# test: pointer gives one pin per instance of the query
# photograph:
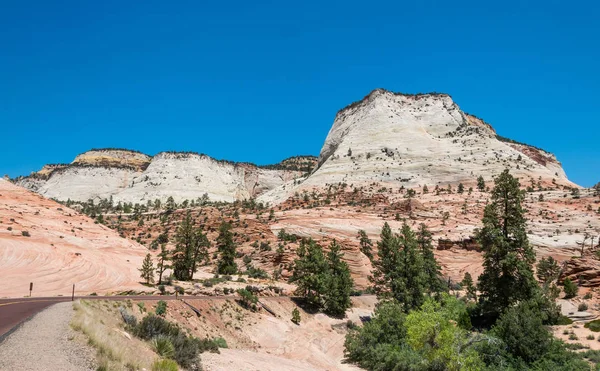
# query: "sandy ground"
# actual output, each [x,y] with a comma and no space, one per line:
[46,342]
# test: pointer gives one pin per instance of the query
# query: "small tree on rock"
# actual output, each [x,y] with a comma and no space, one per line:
[296,316]
[147,269]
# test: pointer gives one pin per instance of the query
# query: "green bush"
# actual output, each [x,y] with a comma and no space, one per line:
[163,346]
[593,325]
[247,299]
[570,288]
[220,342]
[582,307]
[161,308]
[165,365]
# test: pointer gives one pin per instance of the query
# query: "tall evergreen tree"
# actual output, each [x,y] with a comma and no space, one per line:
[184,248]
[399,268]
[366,245]
[480,184]
[310,273]
[200,250]
[508,258]
[147,269]
[338,284]
[433,271]
[227,250]
[163,259]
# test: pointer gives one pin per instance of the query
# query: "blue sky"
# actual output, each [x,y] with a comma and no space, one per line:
[260,81]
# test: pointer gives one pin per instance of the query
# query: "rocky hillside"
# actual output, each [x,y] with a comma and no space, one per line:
[131,176]
[55,247]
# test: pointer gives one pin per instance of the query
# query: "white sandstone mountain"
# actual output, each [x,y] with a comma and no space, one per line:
[131,176]
[386,138]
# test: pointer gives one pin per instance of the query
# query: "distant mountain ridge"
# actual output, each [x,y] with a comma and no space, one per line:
[411,140]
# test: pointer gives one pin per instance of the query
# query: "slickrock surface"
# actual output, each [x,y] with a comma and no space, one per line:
[64,248]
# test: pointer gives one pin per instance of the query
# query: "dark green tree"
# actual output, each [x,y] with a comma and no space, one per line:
[184,248]
[480,184]
[366,245]
[399,269]
[296,316]
[570,288]
[163,259]
[338,284]
[227,250]
[467,284]
[433,271]
[147,269]
[461,188]
[310,273]
[547,269]
[508,258]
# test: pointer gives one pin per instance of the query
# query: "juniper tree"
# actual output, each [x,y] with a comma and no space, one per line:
[227,250]
[461,188]
[508,257]
[147,269]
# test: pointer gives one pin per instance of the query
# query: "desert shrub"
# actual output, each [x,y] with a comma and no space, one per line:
[220,342]
[593,325]
[25,234]
[592,356]
[564,320]
[129,319]
[162,289]
[573,337]
[588,296]
[582,307]
[161,308]
[253,272]
[163,346]
[152,326]
[247,299]
[179,290]
[590,337]
[570,288]
[165,365]
[142,307]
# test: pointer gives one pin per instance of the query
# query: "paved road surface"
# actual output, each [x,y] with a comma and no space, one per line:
[15,311]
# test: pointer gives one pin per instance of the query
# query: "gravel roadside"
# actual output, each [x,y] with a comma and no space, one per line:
[47,342]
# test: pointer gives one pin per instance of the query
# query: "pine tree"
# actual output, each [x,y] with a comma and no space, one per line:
[366,245]
[508,258]
[338,284]
[480,184]
[547,269]
[399,269]
[200,247]
[147,269]
[184,248]
[227,250]
[163,258]
[432,270]
[461,188]
[467,284]
[310,273]
[170,204]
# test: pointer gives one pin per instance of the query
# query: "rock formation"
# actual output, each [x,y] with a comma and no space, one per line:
[55,247]
[131,176]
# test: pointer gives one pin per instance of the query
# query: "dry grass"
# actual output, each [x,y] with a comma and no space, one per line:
[101,323]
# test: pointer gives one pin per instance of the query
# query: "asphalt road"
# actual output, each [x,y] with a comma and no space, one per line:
[15,311]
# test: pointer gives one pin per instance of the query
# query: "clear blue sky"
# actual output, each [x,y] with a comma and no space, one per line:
[260,81]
